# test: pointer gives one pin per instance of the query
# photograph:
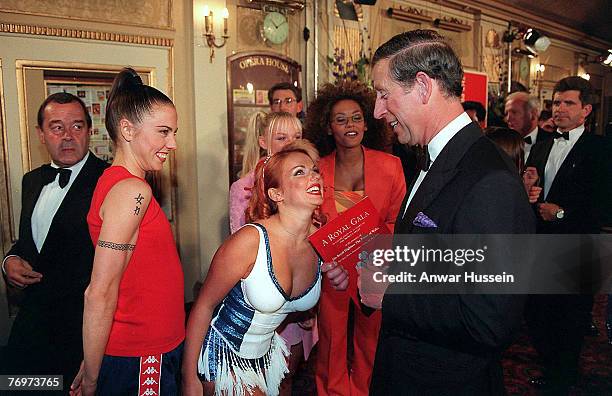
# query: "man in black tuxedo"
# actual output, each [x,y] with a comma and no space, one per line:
[571,168]
[444,344]
[52,260]
[521,113]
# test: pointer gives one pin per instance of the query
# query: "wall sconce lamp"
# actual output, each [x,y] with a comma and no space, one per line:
[209,34]
[539,68]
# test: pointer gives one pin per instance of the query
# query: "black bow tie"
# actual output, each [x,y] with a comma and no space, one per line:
[49,173]
[564,135]
[528,140]
[422,157]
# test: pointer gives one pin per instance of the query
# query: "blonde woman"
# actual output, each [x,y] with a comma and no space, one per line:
[270,133]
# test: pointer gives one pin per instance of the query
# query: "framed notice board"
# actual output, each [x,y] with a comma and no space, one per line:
[94,95]
[250,75]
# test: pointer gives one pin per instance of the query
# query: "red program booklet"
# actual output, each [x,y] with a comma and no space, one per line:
[353,231]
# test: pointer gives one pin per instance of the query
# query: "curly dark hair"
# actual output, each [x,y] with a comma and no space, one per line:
[318,118]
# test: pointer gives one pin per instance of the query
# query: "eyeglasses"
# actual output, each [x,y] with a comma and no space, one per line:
[342,120]
[287,101]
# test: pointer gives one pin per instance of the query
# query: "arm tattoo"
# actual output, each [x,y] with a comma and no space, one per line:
[116,246]
[139,200]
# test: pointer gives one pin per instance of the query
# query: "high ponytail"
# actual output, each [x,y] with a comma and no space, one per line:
[252,151]
[129,98]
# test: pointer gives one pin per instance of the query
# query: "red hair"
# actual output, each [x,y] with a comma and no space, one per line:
[268,174]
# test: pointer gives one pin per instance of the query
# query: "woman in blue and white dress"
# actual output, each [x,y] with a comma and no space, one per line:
[234,349]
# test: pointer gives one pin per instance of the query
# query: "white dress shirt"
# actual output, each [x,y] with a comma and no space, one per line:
[558,153]
[435,146]
[533,135]
[49,201]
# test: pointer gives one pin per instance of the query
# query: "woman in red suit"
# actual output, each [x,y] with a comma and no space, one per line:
[340,123]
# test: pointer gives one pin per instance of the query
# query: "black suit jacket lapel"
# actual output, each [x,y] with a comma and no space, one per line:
[574,157]
[542,135]
[399,223]
[441,172]
[31,192]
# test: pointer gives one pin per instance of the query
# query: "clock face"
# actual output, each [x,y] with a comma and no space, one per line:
[275,28]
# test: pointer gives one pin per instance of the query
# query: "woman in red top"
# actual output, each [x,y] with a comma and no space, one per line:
[340,122]
[133,322]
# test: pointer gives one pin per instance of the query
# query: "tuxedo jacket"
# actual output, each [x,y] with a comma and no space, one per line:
[542,135]
[408,158]
[450,344]
[577,186]
[52,310]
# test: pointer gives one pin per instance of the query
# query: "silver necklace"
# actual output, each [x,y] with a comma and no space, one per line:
[287,231]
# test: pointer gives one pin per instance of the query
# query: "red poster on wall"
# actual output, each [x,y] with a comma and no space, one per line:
[475,87]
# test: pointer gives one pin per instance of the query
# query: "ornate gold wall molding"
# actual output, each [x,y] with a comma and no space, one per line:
[6,209]
[148,13]
[84,34]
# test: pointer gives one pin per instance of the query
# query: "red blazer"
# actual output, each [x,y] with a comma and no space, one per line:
[385,185]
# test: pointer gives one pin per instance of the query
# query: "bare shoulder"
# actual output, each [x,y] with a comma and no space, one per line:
[246,239]
[129,196]
[238,253]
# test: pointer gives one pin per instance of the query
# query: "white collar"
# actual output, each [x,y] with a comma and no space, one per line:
[533,135]
[438,142]
[76,168]
[574,134]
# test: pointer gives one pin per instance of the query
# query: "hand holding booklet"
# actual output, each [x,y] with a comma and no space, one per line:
[342,239]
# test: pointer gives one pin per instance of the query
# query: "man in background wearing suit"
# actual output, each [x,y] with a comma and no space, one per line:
[521,112]
[444,344]
[286,97]
[572,170]
[52,260]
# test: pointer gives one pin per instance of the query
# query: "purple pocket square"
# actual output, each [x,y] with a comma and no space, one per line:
[421,220]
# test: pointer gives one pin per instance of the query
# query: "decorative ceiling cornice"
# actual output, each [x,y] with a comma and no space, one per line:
[38,30]
[502,10]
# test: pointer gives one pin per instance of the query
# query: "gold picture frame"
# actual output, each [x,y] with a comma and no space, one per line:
[33,81]
[7,234]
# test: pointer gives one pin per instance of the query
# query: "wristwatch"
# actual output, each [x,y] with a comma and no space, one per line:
[560,214]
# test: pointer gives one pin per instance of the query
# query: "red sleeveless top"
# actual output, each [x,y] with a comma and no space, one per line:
[150,315]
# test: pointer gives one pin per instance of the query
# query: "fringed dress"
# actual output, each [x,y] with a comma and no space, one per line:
[242,350]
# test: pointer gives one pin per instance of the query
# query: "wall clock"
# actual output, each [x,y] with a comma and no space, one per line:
[275,28]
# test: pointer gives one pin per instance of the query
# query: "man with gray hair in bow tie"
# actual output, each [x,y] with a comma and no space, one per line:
[52,259]
[521,112]
[444,344]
